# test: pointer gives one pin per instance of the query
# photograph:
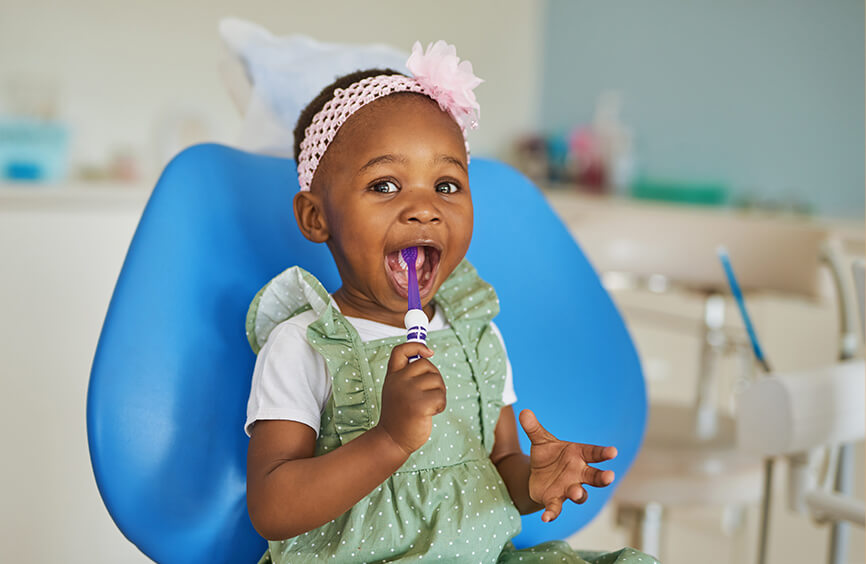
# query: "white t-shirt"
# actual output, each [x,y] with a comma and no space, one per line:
[291,380]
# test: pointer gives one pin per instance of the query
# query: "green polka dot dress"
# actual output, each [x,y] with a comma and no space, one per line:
[447,503]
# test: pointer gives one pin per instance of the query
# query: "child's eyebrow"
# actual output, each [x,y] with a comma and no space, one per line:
[450,159]
[388,158]
[391,158]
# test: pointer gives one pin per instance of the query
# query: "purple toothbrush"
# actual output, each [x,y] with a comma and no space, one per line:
[415,320]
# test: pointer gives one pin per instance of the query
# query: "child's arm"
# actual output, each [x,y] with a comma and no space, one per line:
[555,470]
[289,491]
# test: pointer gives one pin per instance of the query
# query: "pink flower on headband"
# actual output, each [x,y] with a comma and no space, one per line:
[449,81]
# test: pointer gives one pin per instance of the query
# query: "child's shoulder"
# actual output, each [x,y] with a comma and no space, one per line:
[290,334]
[295,325]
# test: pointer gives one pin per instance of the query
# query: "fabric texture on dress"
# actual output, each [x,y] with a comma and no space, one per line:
[447,503]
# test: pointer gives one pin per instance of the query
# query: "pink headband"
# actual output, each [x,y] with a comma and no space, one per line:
[438,74]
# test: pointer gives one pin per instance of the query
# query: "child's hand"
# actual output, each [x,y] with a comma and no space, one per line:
[558,469]
[411,395]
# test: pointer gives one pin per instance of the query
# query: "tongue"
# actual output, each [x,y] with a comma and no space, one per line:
[396,262]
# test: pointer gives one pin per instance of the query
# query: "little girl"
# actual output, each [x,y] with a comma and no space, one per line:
[358,454]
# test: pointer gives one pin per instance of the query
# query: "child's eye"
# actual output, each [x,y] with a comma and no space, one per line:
[385,187]
[447,187]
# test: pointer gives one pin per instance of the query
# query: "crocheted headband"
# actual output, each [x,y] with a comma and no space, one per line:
[438,74]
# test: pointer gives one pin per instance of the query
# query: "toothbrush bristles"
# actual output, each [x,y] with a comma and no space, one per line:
[410,254]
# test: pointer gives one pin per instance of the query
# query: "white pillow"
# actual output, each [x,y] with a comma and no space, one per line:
[272,79]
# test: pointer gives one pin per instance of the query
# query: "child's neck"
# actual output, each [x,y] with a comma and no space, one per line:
[351,306]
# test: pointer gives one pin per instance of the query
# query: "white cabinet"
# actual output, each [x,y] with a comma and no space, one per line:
[60,252]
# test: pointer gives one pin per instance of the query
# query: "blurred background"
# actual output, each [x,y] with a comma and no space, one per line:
[747,117]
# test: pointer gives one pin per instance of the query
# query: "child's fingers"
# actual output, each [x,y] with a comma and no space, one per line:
[552,508]
[596,453]
[435,401]
[401,354]
[576,493]
[596,477]
[430,381]
[534,430]
[418,368]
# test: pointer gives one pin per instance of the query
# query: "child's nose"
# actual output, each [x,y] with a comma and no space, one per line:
[420,208]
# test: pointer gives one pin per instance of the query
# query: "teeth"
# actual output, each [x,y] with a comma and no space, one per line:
[402,262]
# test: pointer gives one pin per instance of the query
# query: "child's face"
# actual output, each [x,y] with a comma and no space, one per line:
[394,177]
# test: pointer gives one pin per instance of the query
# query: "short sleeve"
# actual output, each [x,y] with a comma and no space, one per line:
[290,380]
[508,395]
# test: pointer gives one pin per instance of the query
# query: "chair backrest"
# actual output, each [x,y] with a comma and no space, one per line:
[171,375]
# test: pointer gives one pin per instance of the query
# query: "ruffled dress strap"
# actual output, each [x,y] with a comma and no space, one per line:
[294,291]
[291,292]
[470,304]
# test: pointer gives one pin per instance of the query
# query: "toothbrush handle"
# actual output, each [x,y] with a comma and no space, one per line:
[741,304]
[416,328]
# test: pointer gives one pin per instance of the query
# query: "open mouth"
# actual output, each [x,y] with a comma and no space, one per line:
[426,267]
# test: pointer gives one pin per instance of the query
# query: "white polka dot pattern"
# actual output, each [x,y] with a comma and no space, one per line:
[447,502]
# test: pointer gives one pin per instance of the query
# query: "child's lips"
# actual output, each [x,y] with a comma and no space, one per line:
[426,265]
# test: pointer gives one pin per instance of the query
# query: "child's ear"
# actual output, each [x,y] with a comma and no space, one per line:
[310,217]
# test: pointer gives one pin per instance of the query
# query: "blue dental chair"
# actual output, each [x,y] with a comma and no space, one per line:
[170,379]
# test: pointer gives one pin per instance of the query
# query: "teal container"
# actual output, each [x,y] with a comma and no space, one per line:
[33,150]
[681,192]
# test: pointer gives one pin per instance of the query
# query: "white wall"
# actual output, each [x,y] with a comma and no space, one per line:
[123,65]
